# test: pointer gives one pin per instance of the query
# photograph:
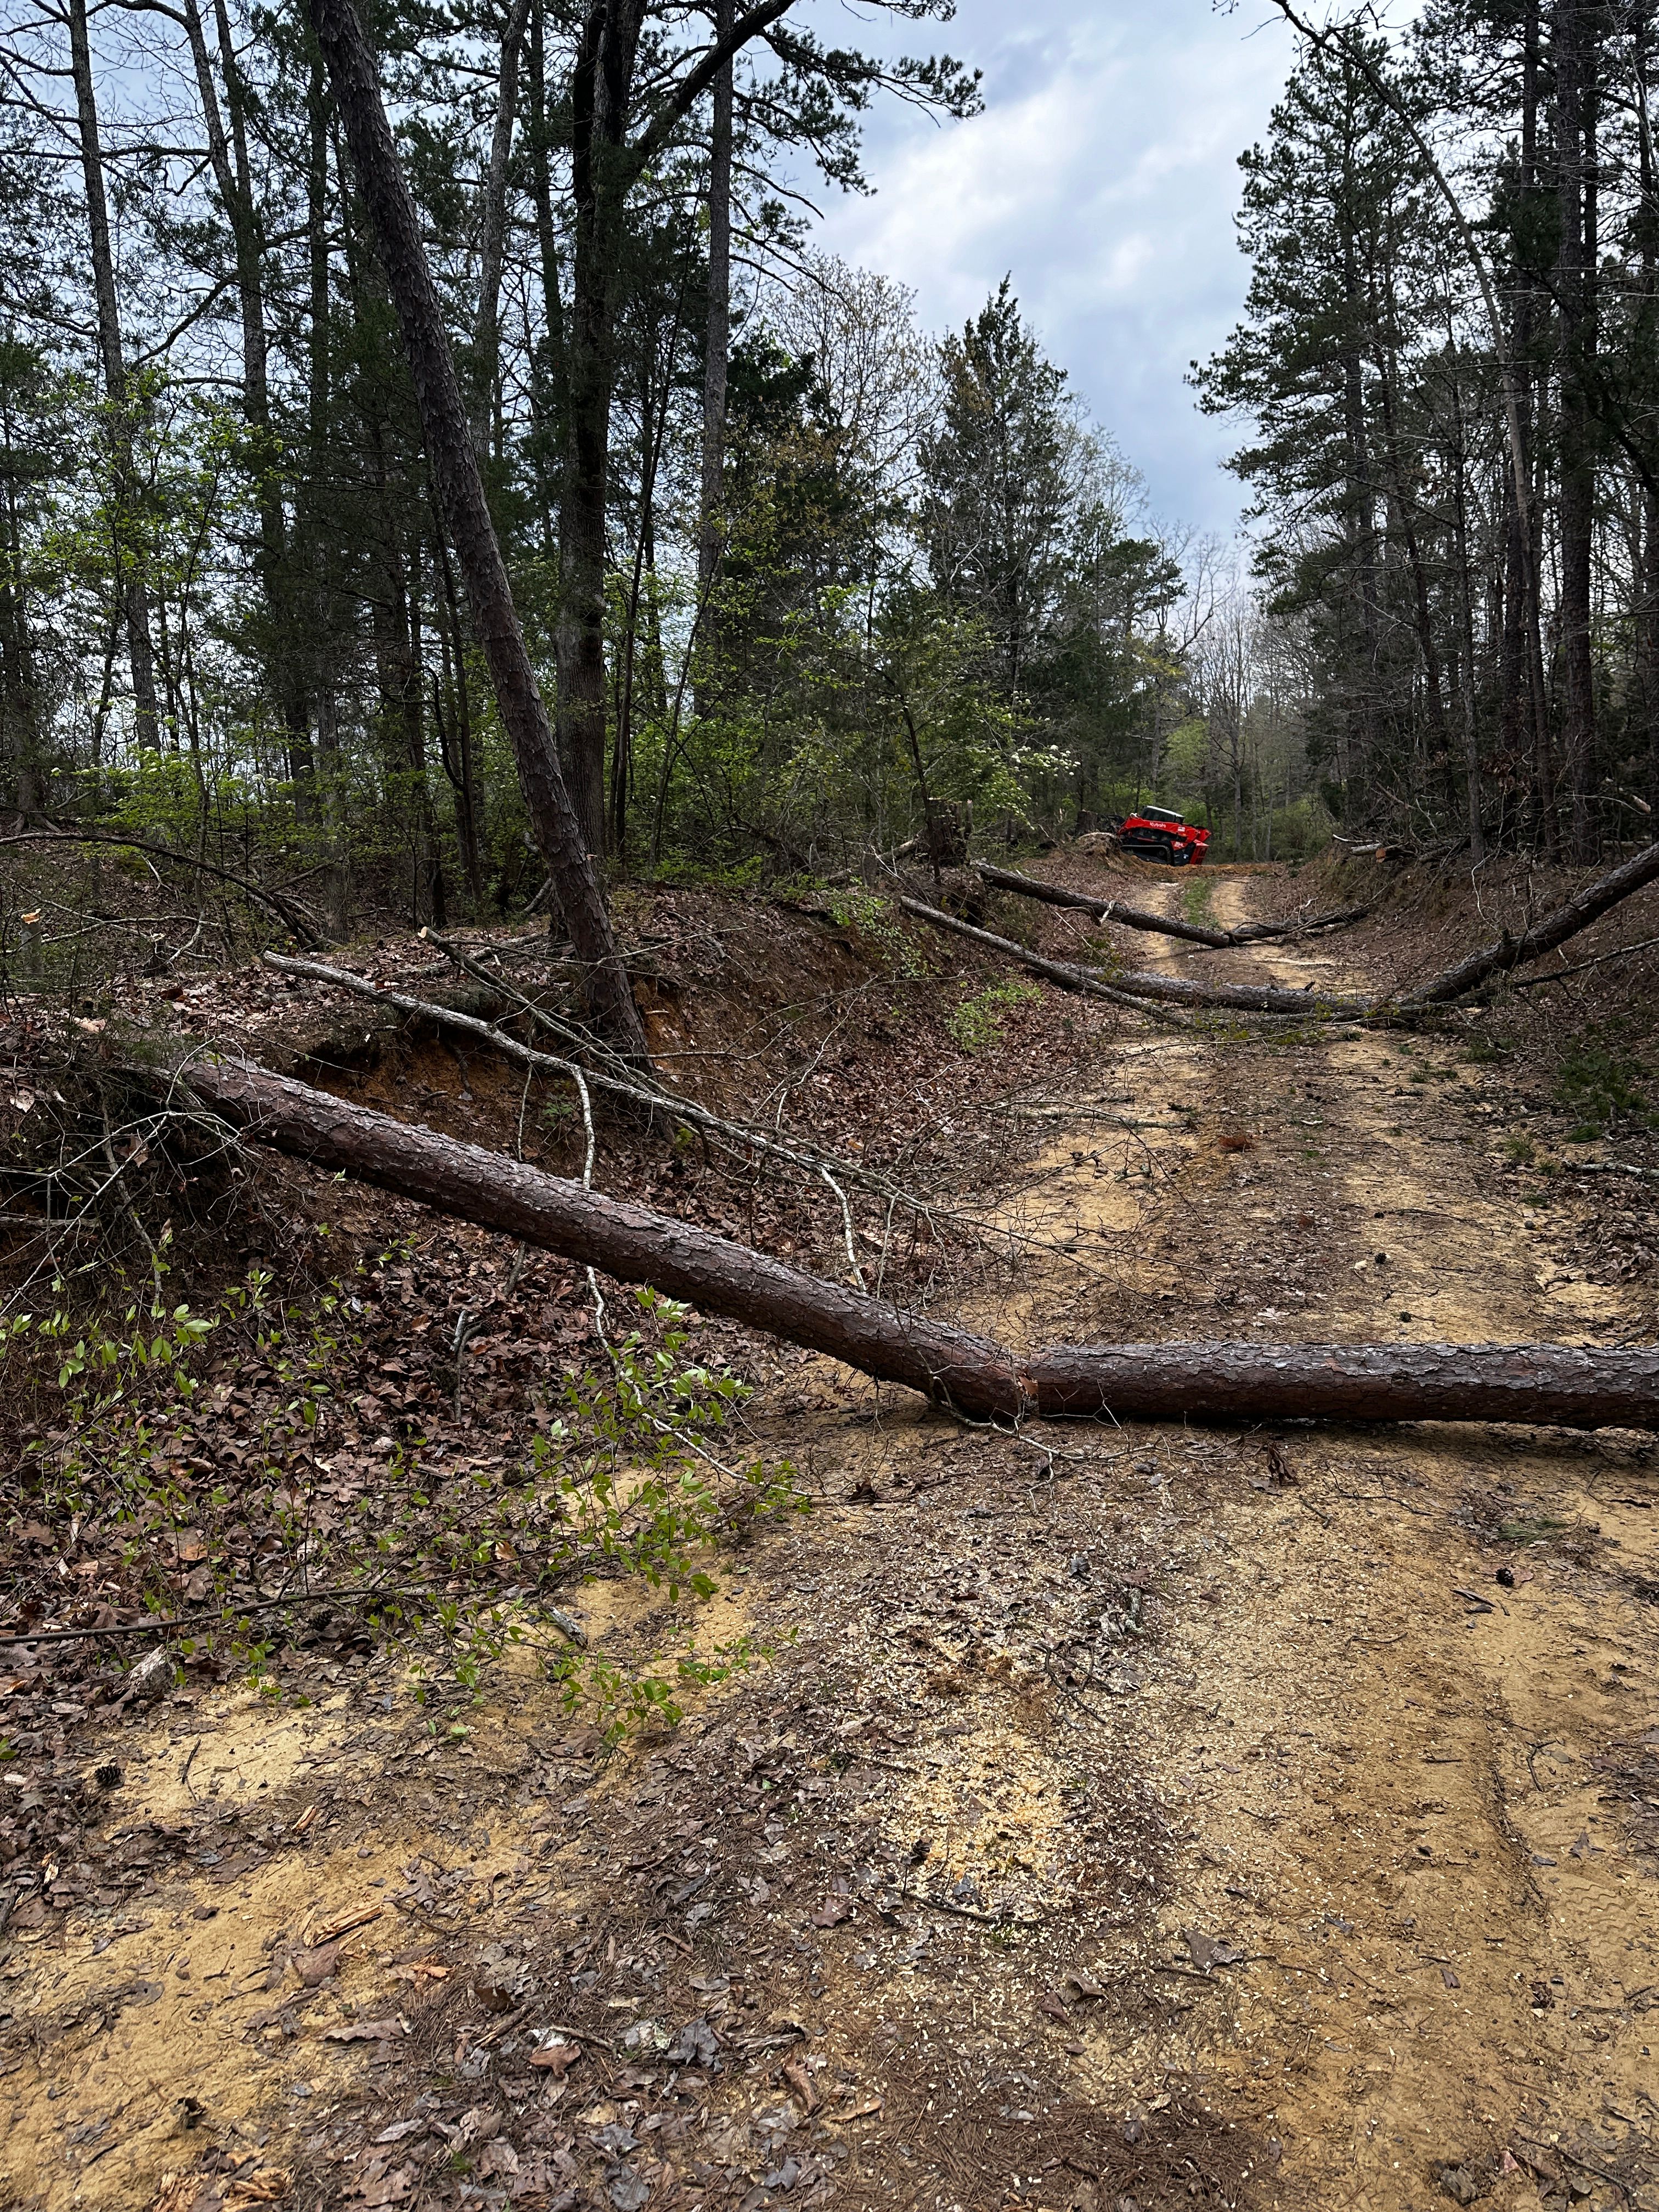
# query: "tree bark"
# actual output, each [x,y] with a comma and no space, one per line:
[605,165]
[554,820]
[718,329]
[130,583]
[1549,1383]
[600,90]
[1541,1383]
[492,230]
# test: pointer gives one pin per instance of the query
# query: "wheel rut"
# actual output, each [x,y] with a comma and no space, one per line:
[1449,1938]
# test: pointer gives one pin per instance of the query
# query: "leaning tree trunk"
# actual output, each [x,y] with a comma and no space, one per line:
[232,174]
[718,329]
[1150,1382]
[130,574]
[492,231]
[455,469]
[601,88]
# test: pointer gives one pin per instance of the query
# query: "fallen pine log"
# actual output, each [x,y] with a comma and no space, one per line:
[1541,1384]
[629,1242]
[1575,913]
[1063,972]
[1032,887]
[1135,986]
[1457,981]
[1193,932]
[1554,1384]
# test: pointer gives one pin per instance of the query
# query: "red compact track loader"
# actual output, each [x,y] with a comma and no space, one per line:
[1154,834]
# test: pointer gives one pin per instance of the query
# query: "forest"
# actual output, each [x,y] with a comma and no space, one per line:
[829,1296]
[789,565]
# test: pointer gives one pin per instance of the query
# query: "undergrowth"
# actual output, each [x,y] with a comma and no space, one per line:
[976,1023]
[1602,1084]
[192,1458]
[1195,901]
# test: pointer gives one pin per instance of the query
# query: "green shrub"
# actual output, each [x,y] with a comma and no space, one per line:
[976,1023]
[452,1566]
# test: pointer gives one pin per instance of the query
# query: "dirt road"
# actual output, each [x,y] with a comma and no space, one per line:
[1129,1818]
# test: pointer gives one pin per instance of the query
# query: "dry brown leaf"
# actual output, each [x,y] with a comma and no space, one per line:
[364,2030]
[177,2193]
[267,2188]
[391,2189]
[555,2058]
[316,1965]
[801,2082]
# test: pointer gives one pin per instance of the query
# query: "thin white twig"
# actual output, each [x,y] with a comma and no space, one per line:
[580,1082]
[847,1228]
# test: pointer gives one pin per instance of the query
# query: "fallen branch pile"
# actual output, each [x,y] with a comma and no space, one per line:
[953,1367]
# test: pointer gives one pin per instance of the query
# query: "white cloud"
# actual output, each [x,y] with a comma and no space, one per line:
[1102,177]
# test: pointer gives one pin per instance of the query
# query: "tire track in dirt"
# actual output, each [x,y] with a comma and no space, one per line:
[1448,1943]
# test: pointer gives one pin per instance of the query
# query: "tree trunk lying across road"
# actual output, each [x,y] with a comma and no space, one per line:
[1069,978]
[1457,981]
[1545,1383]
[1550,1384]
[1132,987]
[1162,925]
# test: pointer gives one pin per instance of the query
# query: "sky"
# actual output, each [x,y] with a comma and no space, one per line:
[1102,179]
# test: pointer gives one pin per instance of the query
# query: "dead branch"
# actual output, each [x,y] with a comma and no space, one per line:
[292,913]
[1575,913]
[640,1091]
[1539,1383]
[1580,967]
